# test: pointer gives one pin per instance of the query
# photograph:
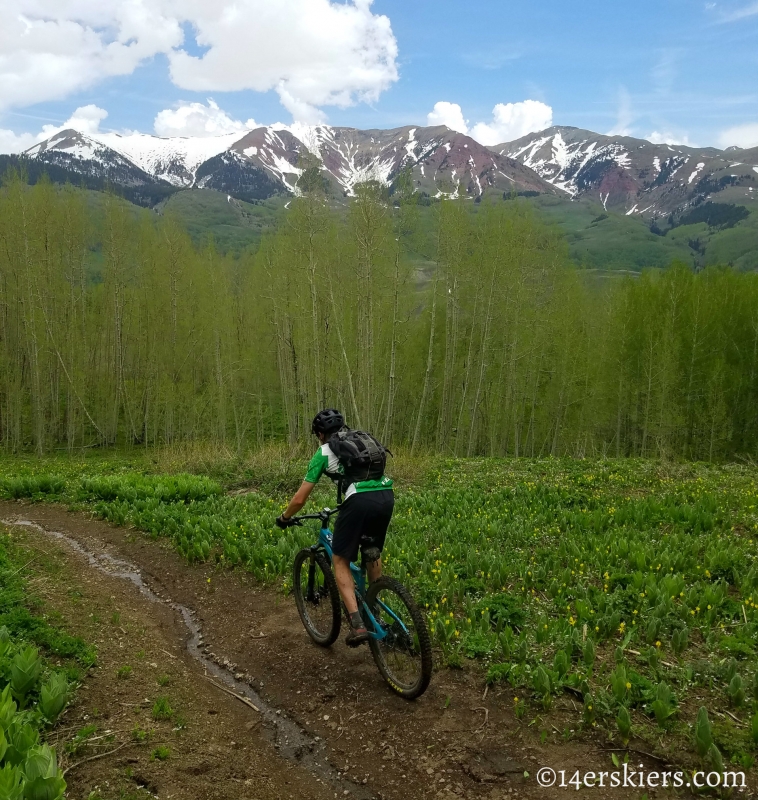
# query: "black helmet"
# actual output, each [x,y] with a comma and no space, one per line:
[327,421]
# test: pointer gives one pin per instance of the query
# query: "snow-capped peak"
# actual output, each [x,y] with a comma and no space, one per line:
[266,160]
[174,159]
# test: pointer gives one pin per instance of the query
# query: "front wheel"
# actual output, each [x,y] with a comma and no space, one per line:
[316,596]
[404,654]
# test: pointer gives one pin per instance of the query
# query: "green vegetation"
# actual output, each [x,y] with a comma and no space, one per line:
[140,735]
[498,348]
[736,246]
[33,694]
[630,583]
[715,215]
[81,739]
[461,331]
[601,240]
[714,233]
[234,225]
[162,709]
[160,753]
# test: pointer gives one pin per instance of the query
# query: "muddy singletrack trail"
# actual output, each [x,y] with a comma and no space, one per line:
[306,722]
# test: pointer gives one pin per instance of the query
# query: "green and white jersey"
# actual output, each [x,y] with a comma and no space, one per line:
[324,460]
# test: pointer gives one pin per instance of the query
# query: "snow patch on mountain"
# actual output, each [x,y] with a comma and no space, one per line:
[313,137]
[695,173]
[562,162]
[410,145]
[71,143]
[175,159]
[352,173]
[277,164]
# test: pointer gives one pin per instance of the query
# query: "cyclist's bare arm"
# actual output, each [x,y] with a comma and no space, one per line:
[299,500]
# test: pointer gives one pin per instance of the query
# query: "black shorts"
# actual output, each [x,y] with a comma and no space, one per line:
[363,519]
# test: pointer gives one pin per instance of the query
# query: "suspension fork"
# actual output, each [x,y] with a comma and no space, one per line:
[309,593]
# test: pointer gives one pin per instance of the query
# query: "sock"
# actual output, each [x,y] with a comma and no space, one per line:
[356,621]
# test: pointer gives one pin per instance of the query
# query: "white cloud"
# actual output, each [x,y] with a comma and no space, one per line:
[11,142]
[750,10]
[302,111]
[86,120]
[668,137]
[314,53]
[509,120]
[740,136]
[664,71]
[624,115]
[512,121]
[196,119]
[449,114]
[51,48]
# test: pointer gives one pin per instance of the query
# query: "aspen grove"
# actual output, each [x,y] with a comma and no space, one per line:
[461,328]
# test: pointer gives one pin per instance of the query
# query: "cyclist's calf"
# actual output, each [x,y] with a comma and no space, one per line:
[372,561]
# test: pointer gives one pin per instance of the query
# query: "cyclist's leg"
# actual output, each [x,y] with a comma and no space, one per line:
[374,570]
[381,504]
[345,544]
[345,582]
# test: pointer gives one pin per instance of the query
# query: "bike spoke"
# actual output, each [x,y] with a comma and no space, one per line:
[318,605]
[399,648]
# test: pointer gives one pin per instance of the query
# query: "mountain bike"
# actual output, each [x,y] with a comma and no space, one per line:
[398,636]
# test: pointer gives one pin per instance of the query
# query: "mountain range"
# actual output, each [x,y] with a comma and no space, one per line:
[625,175]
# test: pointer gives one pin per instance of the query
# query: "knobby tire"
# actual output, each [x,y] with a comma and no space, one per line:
[328,593]
[422,647]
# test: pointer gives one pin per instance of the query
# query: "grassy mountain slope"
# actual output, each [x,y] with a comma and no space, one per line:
[600,239]
[234,224]
[737,246]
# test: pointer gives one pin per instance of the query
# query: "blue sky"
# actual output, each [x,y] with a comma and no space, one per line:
[675,69]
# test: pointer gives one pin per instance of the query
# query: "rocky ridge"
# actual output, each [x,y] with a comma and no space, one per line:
[625,175]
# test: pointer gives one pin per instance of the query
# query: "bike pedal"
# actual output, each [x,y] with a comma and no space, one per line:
[357,641]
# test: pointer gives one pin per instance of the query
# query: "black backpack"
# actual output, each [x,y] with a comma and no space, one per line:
[363,457]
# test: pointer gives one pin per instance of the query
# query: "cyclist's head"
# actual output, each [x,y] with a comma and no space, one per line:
[327,422]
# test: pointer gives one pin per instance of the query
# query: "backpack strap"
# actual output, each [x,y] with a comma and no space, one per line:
[339,481]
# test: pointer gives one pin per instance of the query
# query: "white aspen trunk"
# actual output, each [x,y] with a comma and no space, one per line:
[428,370]
[346,360]
[483,350]
[388,420]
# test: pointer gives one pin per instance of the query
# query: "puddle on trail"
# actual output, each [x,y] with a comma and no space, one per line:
[290,740]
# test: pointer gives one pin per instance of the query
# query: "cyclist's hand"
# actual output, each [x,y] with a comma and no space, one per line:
[284,523]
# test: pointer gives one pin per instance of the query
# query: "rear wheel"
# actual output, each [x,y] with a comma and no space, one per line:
[316,596]
[404,655]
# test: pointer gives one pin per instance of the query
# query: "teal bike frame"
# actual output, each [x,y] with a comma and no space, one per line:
[375,629]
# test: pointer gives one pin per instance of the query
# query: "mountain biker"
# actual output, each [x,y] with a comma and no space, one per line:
[362,521]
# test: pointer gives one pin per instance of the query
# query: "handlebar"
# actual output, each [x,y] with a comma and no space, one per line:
[323,515]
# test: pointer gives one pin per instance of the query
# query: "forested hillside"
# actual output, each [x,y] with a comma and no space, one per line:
[125,332]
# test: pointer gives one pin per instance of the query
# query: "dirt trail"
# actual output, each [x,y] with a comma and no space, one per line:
[344,733]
